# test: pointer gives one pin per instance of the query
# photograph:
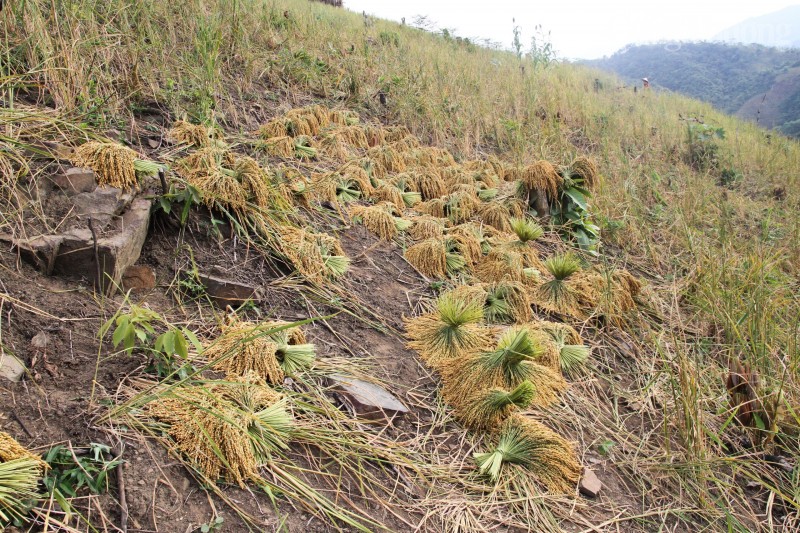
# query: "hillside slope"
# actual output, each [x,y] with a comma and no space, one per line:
[751,81]
[778,29]
[541,276]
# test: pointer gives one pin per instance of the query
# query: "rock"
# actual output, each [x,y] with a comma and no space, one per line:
[590,485]
[368,400]
[116,252]
[11,368]
[227,292]
[101,205]
[40,341]
[138,277]
[75,180]
[40,251]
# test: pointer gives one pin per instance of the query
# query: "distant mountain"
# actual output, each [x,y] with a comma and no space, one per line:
[779,29]
[751,81]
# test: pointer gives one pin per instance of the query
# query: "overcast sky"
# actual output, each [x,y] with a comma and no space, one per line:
[578,29]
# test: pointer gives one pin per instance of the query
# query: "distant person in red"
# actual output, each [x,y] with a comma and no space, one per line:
[645,83]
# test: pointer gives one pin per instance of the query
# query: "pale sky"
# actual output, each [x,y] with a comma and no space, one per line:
[578,29]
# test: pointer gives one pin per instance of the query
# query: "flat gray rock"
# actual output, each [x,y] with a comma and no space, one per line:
[227,292]
[11,368]
[368,400]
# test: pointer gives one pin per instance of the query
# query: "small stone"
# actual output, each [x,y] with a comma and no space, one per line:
[590,485]
[138,278]
[11,368]
[153,143]
[226,291]
[368,400]
[75,180]
[40,341]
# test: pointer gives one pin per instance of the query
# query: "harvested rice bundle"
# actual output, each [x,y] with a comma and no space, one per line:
[431,156]
[220,436]
[245,348]
[10,450]
[559,294]
[512,173]
[316,256]
[274,128]
[498,167]
[538,450]
[114,164]
[487,409]
[426,227]
[621,298]
[468,240]
[183,132]
[542,177]
[496,215]
[292,185]
[352,135]
[434,207]
[395,133]
[486,194]
[375,135]
[512,362]
[385,160]
[343,118]
[301,122]
[282,146]
[305,147]
[583,171]
[292,351]
[386,192]
[321,113]
[335,147]
[407,144]
[428,183]
[209,170]
[377,218]
[501,264]
[503,303]
[452,330]
[254,180]
[429,257]
[20,472]
[461,205]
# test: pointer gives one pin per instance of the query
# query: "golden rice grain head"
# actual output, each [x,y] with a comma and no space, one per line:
[429,257]
[434,207]
[245,348]
[275,128]
[585,170]
[375,135]
[386,192]
[335,147]
[254,180]
[487,409]
[429,183]
[10,450]
[282,146]
[501,264]
[377,219]
[496,215]
[112,163]
[395,133]
[426,227]
[542,176]
[183,132]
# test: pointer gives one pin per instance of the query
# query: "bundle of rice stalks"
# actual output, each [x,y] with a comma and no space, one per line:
[378,219]
[426,227]
[385,160]
[224,429]
[455,177]
[511,363]
[556,294]
[435,207]
[621,298]
[375,135]
[405,144]
[282,146]
[209,170]
[537,449]
[20,472]
[501,264]
[395,133]
[526,230]
[113,163]
[461,205]
[496,215]
[291,185]
[467,242]
[486,194]
[429,257]
[304,147]
[197,135]
[348,184]
[343,118]
[292,351]
[451,331]
[506,302]
[486,409]
[583,171]
[347,136]
[316,256]
[273,129]
[549,336]
[386,192]
[254,180]
[543,177]
[300,123]
[572,358]
[431,156]
[246,348]
[428,183]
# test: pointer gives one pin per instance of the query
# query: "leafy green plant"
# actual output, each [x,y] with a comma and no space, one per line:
[132,327]
[571,212]
[703,150]
[187,197]
[71,470]
[171,353]
[213,525]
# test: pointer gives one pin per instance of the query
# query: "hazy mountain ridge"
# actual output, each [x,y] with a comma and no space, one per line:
[780,29]
[754,82]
